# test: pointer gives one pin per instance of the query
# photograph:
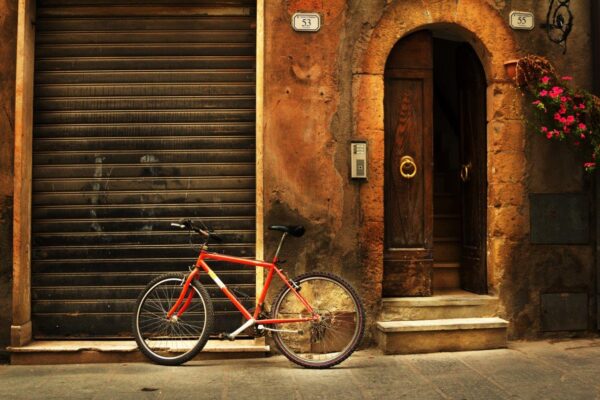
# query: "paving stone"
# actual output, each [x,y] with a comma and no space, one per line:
[455,379]
[538,370]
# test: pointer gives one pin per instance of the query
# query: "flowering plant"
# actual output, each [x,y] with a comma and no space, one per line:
[565,114]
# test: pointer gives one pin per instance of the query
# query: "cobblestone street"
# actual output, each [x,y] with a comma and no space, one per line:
[533,370]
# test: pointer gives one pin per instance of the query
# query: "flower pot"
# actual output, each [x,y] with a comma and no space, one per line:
[511,68]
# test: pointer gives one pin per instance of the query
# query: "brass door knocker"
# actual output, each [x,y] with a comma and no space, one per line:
[408,168]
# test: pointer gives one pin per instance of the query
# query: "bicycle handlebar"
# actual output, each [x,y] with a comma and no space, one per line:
[186,223]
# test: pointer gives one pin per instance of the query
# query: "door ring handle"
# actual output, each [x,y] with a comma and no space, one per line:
[408,168]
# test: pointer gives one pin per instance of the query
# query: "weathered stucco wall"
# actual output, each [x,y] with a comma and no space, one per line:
[307,129]
[324,89]
[320,94]
[8,35]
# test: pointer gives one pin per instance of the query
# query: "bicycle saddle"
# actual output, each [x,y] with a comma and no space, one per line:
[294,230]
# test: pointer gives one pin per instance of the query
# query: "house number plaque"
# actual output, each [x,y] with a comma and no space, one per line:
[306,22]
[521,20]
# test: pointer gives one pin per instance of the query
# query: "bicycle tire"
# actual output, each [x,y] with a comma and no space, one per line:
[171,342]
[330,341]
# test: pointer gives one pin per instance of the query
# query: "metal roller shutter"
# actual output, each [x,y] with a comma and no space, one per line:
[144,114]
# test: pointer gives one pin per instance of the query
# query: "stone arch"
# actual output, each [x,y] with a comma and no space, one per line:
[479,24]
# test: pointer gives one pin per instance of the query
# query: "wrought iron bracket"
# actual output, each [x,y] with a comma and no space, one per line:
[559,22]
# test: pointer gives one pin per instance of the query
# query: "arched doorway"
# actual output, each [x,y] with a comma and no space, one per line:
[435,183]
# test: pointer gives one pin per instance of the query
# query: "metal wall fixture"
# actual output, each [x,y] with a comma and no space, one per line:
[559,22]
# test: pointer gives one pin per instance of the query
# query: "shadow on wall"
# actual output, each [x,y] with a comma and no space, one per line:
[6,214]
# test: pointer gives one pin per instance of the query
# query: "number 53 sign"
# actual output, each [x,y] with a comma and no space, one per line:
[306,22]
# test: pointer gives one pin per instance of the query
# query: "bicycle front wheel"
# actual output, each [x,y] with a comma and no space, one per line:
[175,340]
[337,333]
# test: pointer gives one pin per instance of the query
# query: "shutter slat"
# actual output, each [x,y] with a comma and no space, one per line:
[144,115]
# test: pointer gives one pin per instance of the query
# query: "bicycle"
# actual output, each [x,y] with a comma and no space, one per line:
[317,320]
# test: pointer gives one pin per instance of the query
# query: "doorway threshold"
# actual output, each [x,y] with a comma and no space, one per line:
[42,352]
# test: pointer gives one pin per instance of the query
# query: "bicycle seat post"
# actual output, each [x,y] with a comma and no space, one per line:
[275,257]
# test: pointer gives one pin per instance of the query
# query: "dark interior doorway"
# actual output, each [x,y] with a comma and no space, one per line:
[460,168]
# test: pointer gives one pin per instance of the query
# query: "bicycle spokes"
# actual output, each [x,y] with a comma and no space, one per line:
[328,339]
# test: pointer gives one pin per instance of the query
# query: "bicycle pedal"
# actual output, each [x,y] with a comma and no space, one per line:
[225,336]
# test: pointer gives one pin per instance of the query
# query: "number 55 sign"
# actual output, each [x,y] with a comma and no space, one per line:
[521,20]
[306,22]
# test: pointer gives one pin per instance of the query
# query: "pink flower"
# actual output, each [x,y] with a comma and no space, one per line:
[555,92]
[545,80]
[549,135]
[582,106]
[544,129]
[582,136]
[570,119]
[557,116]
[543,93]
[582,126]
[535,103]
[563,99]
[589,165]
[567,78]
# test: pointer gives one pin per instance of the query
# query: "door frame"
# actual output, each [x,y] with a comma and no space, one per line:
[506,162]
[21,325]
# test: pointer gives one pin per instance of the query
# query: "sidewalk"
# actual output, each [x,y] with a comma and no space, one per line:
[535,370]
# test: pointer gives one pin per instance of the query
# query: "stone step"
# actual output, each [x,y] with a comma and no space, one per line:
[445,225]
[446,249]
[443,304]
[446,275]
[428,336]
[119,351]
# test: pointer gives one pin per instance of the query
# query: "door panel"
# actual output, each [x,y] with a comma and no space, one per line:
[472,122]
[408,200]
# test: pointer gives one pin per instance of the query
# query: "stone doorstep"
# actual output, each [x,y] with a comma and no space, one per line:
[125,346]
[442,300]
[454,324]
[119,351]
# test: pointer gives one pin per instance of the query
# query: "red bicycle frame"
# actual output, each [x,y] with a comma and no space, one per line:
[180,306]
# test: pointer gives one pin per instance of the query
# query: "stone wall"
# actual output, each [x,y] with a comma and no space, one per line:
[8,35]
[324,89]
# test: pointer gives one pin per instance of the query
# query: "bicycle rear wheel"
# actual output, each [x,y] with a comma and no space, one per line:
[329,341]
[176,340]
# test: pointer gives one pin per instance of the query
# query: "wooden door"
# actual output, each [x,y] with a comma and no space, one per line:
[408,199]
[472,122]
